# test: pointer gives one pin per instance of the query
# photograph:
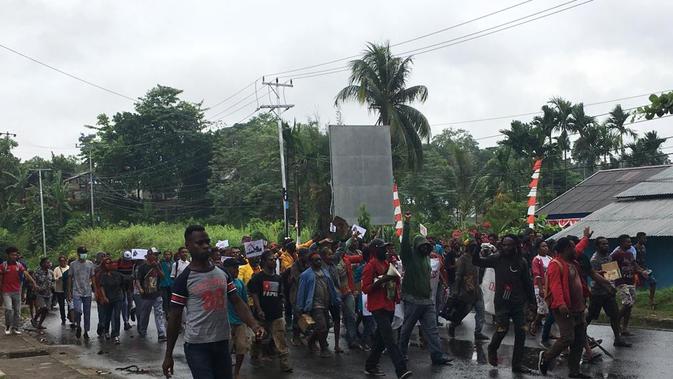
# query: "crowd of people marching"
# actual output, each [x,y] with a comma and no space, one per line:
[226,304]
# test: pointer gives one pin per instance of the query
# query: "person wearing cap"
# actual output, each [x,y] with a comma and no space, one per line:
[417,295]
[125,267]
[383,293]
[315,296]
[146,282]
[80,281]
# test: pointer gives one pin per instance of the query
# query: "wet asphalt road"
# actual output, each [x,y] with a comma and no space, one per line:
[649,358]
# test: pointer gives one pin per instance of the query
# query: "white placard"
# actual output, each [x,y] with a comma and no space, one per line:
[254,248]
[424,230]
[359,229]
[138,254]
[488,289]
[332,228]
[222,244]
[365,311]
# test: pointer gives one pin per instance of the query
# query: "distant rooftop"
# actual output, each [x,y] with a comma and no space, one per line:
[601,189]
[660,184]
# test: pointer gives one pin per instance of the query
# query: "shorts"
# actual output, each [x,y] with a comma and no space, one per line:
[241,338]
[42,302]
[542,307]
[627,294]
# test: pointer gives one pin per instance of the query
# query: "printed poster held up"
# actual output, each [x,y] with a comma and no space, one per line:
[359,229]
[424,230]
[138,254]
[254,248]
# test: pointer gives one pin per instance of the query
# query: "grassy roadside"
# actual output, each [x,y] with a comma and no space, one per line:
[643,316]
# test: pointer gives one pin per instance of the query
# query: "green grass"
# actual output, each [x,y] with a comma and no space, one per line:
[644,316]
[115,240]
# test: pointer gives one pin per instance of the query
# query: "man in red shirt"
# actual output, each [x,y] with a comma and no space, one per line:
[10,286]
[382,294]
[567,293]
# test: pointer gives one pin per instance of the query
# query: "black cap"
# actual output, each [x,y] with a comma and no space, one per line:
[378,243]
[231,262]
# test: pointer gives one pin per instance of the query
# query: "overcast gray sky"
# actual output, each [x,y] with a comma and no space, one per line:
[602,50]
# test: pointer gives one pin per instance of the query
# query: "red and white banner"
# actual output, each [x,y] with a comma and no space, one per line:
[565,222]
[397,212]
[532,195]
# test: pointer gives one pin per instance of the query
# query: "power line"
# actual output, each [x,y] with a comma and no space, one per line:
[66,73]
[403,42]
[459,40]
[494,118]
[233,95]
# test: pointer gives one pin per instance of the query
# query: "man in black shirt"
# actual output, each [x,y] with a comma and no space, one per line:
[513,288]
[146,281]
[266,289]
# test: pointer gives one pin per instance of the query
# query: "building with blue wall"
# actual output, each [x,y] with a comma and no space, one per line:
[645,206]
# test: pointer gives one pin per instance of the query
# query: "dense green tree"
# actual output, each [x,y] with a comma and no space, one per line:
[379,80]
[646,151]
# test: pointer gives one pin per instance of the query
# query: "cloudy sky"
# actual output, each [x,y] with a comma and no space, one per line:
[599,51]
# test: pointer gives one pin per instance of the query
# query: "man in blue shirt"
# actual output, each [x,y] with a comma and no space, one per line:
[240,333]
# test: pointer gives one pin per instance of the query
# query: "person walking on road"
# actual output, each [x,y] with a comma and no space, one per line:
[513,289]
[10,286]
[201,291]
[44,282]
[146,282]
[266,290]
[315,296]
[111,302]
[567,293]
[417,295]
[166,281]
[383,292]
[59,287]
[80,282]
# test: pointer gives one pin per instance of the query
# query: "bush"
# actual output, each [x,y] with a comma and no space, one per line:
[116,239]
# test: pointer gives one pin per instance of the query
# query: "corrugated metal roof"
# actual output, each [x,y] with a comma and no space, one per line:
[652,216]
[660,184]
[598,190]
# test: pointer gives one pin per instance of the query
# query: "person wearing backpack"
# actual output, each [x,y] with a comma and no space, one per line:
[148,276]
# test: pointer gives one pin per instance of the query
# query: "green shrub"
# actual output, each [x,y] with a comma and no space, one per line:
[116,239]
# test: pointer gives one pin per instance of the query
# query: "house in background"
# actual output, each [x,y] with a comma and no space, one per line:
[646,206]
[593,193]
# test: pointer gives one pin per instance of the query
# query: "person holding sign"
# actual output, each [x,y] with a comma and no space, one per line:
[383,293]
[626,289]
[148,276]
[603,293]
[417,295]
[201,291]
[316,296]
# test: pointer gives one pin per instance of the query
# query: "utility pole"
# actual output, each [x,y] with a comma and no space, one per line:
[44,233]
[93,219]
[8,134]
[278,109]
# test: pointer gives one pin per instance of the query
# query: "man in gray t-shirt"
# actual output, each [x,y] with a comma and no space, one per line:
[80,280]
[202,291]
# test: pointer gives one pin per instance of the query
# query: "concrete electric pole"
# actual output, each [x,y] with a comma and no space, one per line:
[278,109]
[44,232]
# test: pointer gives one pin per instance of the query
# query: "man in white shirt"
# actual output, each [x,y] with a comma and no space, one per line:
[181,264]
[59,288]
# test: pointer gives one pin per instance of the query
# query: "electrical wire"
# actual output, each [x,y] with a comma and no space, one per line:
[402,42]
[35,60]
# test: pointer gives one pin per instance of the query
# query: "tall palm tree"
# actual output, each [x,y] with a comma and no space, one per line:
[562,118]
[616,122]
[379,80]
[646,151]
